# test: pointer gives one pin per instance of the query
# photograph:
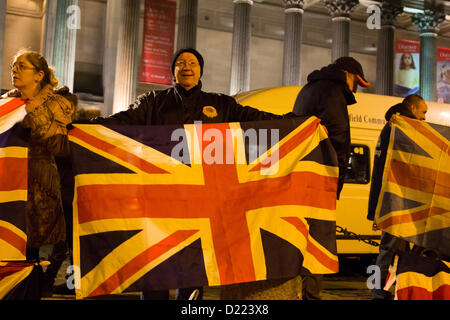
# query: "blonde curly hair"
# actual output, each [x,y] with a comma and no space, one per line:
[38,61]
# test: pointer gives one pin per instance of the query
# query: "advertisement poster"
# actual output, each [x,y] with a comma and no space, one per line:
[443,75]
[158,45]
[406,67]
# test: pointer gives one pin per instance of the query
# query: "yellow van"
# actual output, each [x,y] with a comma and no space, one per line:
[366,122]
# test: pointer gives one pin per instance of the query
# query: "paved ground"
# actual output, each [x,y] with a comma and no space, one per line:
[334,288]
[349,284]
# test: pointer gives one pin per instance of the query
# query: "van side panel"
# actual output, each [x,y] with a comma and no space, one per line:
[366,122]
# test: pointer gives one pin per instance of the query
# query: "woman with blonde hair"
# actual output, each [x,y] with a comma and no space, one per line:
[49,110]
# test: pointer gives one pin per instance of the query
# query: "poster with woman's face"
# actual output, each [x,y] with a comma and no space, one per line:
[443,75]
[406,67]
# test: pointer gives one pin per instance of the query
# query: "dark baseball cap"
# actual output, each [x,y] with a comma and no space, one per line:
[351,65]
[190,50]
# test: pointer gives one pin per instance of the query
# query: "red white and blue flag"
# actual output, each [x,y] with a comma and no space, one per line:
[13,196]
[144,219]
[422,278]
[12,274]
[13,180]
[414,201]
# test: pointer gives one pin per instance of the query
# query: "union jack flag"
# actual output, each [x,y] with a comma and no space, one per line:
[414,201]
[144,219]
[422,278]
[13,180]
[13,196]
[12,274]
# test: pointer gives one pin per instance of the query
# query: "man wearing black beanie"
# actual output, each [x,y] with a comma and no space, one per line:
[184,103]
[189,50]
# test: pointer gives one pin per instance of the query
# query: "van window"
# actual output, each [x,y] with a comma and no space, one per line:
[358,168]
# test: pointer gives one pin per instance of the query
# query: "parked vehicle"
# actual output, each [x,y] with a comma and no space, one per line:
[366,121]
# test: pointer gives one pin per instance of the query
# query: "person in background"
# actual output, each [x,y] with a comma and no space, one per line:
[67,191]
[413,106]
[326,95]
[48,113]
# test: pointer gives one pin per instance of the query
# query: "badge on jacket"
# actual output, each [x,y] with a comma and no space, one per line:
[210,111]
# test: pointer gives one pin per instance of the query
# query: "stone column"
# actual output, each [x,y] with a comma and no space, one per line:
[2,34]
[49,30]
[340,17]
[125,79]
[240,50]
[427,23]
[65,42]
[386,51]
[293,14]
[187,24]
[113,13]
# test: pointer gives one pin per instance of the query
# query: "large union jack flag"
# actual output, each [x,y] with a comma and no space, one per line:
[13,180]
[145,218]
[414,201]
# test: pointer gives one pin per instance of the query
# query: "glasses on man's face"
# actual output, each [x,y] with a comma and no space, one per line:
[182,63]
[20,67]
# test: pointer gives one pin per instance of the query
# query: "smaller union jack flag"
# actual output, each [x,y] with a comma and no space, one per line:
[13,180]
[422,278]
[143,219]
[13,196]
[414,201]
[12,274]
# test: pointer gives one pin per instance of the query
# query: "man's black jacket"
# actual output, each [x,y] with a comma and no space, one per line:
[326,96]
[178,106]
[379,159]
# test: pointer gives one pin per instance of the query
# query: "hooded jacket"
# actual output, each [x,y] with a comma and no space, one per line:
[175,105]
[380,157]
[326,96]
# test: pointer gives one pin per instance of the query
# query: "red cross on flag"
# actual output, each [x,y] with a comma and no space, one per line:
[162,207]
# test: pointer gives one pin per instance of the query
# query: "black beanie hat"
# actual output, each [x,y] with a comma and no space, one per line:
[191,50]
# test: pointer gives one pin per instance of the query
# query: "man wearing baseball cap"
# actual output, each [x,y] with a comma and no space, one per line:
[326,95]
[352,66]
